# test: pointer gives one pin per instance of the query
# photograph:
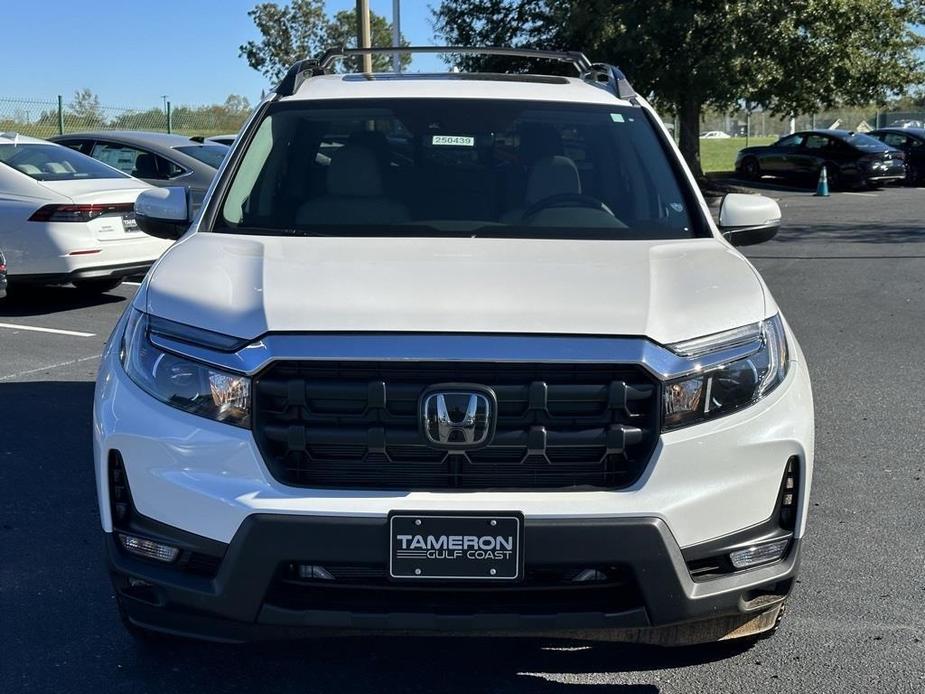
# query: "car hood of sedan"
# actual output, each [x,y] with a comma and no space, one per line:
[247,286]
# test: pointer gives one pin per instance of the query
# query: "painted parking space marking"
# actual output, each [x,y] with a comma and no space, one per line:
[53,331]
[863,195]
[49,367]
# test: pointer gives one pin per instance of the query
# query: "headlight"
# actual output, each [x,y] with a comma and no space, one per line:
[729,386]
[181,382]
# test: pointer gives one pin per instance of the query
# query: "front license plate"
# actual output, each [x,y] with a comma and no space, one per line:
[455,547]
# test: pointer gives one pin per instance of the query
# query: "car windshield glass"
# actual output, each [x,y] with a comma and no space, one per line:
[48,162]
[212,155]
[445,167]
[864,142]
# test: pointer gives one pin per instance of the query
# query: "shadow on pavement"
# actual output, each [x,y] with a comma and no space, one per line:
[27,300]
[867,232]
[441,664]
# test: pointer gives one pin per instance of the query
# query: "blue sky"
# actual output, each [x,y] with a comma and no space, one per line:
[130,52]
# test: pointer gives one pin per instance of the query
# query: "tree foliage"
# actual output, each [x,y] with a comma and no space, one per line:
[787,56]
[85,108]
[301,29]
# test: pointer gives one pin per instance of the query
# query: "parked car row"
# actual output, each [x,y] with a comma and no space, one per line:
[850,159]
[67,205]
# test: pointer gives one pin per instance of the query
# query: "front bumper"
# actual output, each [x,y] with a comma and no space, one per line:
[246,600]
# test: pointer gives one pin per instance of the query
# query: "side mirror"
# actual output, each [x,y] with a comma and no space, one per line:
[163,212]
[745,220]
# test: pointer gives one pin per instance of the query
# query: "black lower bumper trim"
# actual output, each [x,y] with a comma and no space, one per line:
[91,273]
[238,603]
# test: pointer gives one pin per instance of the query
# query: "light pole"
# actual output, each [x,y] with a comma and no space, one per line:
[363,33]
[396,34]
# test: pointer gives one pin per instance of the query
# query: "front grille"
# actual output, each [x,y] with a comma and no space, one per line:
[356,425]
[544,590]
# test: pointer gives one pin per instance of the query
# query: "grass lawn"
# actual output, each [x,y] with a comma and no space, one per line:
[720,155]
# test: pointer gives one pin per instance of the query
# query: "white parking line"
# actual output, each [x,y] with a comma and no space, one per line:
[55,331]
[49,367]
[863,195]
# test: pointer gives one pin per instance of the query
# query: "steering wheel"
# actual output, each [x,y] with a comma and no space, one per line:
[565,200]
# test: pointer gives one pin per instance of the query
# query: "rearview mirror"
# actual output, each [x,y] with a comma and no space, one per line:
[163,212]
[745,220]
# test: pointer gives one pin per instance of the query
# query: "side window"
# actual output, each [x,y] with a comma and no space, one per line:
[894,140]
[817,142]
[78,145]
[135,162]
[791,141]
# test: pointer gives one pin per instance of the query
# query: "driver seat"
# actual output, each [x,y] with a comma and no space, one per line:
[555,175]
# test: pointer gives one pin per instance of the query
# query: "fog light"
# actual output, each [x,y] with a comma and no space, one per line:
[314,571]
[759,554]
[148,548]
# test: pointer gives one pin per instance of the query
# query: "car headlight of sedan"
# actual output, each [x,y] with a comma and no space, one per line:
[759,365]
[181,382]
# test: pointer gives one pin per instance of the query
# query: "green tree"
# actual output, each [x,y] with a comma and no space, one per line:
[301,29]
[86,110]
[786,56]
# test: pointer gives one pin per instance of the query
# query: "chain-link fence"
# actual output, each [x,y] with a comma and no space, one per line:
[45,118]
[759,124]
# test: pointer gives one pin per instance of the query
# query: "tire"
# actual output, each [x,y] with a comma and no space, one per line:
[913,177]
[751,169]
[833,173]
[97,286]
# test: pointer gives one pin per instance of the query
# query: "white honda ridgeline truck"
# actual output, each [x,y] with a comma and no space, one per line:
[454,353]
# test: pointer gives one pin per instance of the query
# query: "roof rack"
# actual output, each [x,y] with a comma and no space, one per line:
[600,74]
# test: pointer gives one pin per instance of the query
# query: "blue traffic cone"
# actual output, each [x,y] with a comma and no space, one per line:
[822,187]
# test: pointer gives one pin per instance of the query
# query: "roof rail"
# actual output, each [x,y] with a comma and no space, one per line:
[611,78]
[600,74]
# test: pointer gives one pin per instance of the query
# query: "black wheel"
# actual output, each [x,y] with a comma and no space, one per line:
[97,286]
[913,176]
[833,174]
[751,169]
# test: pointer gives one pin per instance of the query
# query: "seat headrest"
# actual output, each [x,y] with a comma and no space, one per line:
[354,173]
[550,176]
[538,140]
[145,166]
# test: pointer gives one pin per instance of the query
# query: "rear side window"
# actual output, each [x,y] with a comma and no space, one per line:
[434,167]
[818,142]
[135,162]
[211,155]
[865,142]
[48,162]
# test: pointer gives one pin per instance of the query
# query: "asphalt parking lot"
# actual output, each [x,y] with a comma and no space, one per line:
[849,272]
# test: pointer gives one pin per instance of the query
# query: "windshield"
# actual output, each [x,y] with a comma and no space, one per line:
[48,162]
[446,167]
[211,155]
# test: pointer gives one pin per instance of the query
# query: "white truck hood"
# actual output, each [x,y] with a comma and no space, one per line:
[246,286]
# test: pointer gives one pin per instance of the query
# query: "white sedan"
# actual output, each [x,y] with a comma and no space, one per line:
[714,135]
[67,218]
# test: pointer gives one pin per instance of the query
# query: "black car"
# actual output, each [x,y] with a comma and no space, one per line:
[850,159]
[2,275]
[911,141]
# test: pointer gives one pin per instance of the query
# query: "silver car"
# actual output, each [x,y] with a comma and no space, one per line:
[160,159]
